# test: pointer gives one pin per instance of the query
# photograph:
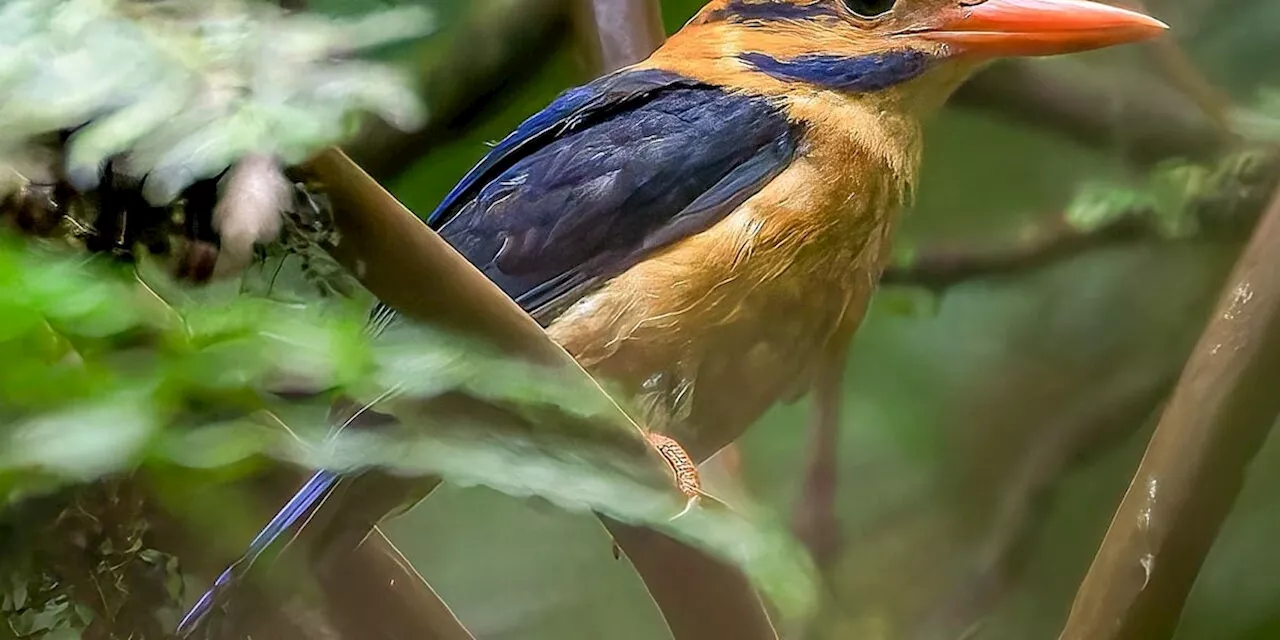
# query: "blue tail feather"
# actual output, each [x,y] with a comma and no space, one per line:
[302,503]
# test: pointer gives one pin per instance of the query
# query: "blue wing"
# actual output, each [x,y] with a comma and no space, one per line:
[566,113]
[607,174]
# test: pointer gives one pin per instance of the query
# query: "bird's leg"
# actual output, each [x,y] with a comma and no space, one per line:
[665,398]
[669,397]
[682,465]
[814,519]
[684,469]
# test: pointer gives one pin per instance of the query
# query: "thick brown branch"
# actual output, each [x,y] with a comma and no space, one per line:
[1219,416]
[393,251]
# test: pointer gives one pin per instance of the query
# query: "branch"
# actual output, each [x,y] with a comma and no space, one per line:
[617,33]
[1050,240]
[392,251]
[1227,211]
[1218,418]
[365,582]
[1108,413]
[814,519]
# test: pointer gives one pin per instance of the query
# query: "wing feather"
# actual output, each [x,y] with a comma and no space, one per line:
[608,175]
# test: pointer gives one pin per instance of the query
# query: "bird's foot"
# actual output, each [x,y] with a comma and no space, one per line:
[682,466]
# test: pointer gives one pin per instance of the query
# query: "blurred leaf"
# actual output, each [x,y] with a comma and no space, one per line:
[194,391]
[1260,123]
[186,88]
[908,302]
[1099,204]
[81,443]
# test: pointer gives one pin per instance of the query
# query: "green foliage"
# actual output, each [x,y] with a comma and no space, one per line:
[185,88]
[84,561]
[1179,199]
[111,369]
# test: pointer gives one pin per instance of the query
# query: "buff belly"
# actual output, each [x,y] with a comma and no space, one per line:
[711,348]
[712,332]
[705,385]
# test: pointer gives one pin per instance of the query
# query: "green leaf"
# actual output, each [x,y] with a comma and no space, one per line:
[1098,204]
[185,89]
[553,437]
[82,443]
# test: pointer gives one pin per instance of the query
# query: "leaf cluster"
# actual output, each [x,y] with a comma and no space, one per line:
[183,89]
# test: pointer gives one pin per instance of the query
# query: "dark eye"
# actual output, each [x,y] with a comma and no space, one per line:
[869,8]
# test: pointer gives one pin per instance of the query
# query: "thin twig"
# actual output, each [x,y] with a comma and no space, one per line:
[814,520]
[1051,240]
[1227,214]
[1218,418]
[1172,61]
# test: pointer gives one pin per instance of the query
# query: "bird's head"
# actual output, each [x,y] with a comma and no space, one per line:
[911,46]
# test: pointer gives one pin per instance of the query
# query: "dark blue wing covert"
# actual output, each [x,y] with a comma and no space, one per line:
[606,175]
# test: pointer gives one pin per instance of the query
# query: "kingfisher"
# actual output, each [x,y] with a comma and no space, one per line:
[705,228]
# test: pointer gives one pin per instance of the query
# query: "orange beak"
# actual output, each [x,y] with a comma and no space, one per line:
[998,28]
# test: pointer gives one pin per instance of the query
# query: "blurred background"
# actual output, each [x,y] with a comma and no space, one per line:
[1073,227]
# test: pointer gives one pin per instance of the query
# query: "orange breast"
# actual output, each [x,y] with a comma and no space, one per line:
[716,329]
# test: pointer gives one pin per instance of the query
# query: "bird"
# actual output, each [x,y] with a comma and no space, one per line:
[705,228]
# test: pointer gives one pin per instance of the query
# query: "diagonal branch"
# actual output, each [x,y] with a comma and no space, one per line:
[1226,211]
[391,250]
[1219,416]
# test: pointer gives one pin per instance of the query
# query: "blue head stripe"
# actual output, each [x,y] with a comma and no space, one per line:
[858,74]
[745,10]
